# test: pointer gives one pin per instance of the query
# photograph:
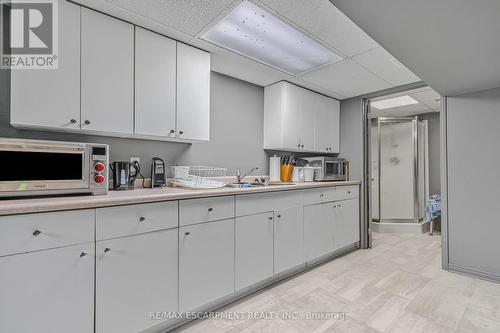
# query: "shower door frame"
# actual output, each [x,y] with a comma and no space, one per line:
[414,129]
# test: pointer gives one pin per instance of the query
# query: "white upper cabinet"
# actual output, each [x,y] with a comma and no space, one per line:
[193,93]
[326,119]
[300,120]
[107,70]
[51,98]
[155,81]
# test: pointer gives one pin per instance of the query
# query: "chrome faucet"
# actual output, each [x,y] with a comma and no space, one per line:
[239,177]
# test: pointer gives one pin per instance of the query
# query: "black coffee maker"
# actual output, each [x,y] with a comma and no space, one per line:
[123,179]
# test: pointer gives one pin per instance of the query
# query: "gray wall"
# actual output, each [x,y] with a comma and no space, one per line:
[434,151]
[236,130]
[473,158]
[351,135]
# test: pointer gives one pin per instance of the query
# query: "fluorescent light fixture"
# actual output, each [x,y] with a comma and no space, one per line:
[393,102]
[254,33]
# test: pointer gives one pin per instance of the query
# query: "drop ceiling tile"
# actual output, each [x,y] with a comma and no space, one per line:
[383,64]
[346,78]
[187,16]
[323,20]
[429,98]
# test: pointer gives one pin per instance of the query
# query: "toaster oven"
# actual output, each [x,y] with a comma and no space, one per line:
[328,168]
[35,167]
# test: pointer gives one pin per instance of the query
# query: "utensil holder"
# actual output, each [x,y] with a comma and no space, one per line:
[286,172]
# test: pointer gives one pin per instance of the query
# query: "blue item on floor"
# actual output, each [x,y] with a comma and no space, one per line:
[433,207]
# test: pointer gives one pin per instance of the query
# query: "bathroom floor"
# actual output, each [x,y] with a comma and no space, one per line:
[397,286]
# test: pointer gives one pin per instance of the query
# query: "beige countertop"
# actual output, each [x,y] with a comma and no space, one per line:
[142,195]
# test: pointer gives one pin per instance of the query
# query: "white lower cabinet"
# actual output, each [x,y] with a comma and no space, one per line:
[48,291]
[318,230]
[254,249]
[346,223]
[135,275]
[288,239]
[206,263]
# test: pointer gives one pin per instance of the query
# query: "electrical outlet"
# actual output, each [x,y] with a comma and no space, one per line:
[135,159]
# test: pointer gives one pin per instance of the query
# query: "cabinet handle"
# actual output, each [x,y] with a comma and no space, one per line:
[321,195]
[298,146]
[210,209]
[278,216]
[172,131]
[181,132]
[36,232]
[107,250]
[302,146]
[187,233]
[270,218]
[83,254]
[87,122]
[73,121]
[142,219]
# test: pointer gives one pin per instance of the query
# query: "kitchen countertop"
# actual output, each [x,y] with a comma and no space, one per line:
[141,195]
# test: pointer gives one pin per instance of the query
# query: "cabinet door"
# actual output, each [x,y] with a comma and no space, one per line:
[48,291]
[288,239]
[51,98]
[293,103]
[206,263]
[134,276]
[318,230]
[193,93]
[310,102]
[327,125]
[107,69]
[254,249]
[346,223]
[155,70]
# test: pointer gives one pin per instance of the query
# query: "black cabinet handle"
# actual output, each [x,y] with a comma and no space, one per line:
[107,250]
[172,131]
[187,233]
[270,218]
[142,219]
[73,121]
[278,216]
[181,132]
[210,209]
[36,232]
[83,254]
[87,122]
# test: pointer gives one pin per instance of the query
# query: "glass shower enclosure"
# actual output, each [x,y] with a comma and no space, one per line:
[399,163]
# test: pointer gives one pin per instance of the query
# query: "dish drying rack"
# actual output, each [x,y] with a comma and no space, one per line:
[200,177]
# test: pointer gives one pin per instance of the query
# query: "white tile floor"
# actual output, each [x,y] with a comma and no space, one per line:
[397,286]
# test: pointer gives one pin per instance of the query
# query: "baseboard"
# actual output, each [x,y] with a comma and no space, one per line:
[474,273]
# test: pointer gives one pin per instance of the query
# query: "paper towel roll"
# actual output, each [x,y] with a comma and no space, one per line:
[274,168]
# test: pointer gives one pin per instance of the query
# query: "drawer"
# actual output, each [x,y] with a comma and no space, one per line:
[319,195]
[112,222]
[347,192]
[329,194]
[31,232]
[247,204]
[194,211]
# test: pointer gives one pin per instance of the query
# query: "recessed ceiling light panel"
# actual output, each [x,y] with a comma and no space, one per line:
[253,32]
[393,102]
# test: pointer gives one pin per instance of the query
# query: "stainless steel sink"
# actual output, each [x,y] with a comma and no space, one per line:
[242,185]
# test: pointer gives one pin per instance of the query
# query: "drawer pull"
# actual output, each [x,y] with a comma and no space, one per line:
[107,250]
[36,232]
[321,195]
[210,209]
[348,192]
[142,219]
[83,254]
[279,216]
[270,218]
[187,233]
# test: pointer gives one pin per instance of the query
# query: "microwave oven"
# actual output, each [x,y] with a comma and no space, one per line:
[36,167]
[328,168]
